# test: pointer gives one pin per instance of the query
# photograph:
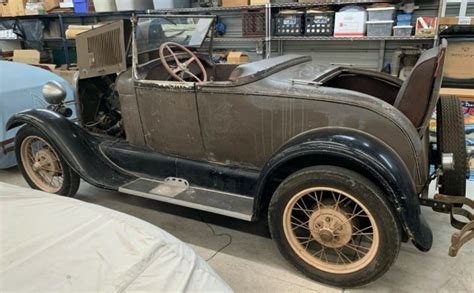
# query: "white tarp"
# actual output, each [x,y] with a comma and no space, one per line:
[52,243]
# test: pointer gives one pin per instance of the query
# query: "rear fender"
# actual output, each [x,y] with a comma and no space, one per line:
[80,150]
[363,153]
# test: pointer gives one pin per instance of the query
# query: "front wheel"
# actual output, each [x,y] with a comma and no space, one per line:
[41,165]
[335,226]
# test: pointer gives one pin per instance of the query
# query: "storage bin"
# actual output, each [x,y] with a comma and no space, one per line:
[319,23]
[105,5]
[81,6]
[350,23]
[404,18]
[382,28]
[381,13]
[289,23]
[402,30]
[253,23]
[127,5]
[169,4]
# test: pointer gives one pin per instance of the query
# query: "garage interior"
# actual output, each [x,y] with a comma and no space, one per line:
[199,178]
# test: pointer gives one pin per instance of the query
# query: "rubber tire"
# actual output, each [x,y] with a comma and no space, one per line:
[71,179]
[367,193]
[451,138]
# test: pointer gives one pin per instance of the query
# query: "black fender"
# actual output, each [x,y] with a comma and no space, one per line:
[353,148]
[79,149]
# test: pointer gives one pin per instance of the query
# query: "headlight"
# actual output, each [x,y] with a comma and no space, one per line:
[54,93]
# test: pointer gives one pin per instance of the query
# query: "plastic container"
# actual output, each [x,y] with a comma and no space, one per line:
[81,6]
[253,23]
[382,28]
[105,5]
[127,5]
[404,18]
[319,23]
[402,30]
[165,4]
[289,23]
[381,13]
[350,23]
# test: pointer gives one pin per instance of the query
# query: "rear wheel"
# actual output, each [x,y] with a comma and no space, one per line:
[335,226]
[451,138]
[41,165]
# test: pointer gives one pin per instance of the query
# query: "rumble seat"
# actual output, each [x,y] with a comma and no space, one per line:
[419,92]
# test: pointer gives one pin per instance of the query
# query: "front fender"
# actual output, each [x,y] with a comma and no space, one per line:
[79,149]
[348,147]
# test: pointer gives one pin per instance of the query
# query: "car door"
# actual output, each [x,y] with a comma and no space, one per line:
[168,112]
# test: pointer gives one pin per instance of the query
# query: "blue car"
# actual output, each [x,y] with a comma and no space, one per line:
[21,89]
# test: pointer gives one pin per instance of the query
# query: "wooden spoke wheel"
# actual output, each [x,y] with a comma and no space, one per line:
[41,165]
[331,230]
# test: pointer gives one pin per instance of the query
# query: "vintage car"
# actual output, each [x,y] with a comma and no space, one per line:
[337,159]
[17,96]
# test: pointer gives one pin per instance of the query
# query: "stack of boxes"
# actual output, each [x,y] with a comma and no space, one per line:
[308,23]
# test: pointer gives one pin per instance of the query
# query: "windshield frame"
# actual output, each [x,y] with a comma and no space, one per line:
[135,19]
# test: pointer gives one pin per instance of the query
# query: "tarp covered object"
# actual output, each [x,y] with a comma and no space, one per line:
[53,243]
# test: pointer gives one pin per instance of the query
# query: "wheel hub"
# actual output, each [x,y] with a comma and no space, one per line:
[330,227]
[45,160]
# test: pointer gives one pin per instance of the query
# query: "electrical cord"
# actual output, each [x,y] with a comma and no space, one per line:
[217,235]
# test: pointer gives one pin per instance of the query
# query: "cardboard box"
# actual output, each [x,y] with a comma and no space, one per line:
[50,4]
[233,3]
[456,20]
[425,26]
[350,24]
[259,2]
[3,8]
[459,62]
[26,56]
[14,8]
[237,58]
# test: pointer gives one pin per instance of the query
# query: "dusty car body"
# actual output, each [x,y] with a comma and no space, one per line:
[280,137]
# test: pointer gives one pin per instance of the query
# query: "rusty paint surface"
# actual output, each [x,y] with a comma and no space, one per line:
[466,227]
[245,121]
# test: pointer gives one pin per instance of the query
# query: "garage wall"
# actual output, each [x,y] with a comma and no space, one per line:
[364,54]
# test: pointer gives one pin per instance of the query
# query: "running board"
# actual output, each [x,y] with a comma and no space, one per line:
[177,191]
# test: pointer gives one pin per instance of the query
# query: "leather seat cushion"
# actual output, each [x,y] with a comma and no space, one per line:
[414,95]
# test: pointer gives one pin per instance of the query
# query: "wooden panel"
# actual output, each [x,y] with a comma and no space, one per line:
[463,94]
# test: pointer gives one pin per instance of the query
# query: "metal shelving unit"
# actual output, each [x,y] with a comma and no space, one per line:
[354,39]
[326,3]
[265,41]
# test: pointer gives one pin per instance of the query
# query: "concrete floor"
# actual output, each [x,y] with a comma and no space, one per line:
[252,263]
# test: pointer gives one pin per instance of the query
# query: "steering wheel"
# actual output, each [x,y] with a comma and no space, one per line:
[181,68]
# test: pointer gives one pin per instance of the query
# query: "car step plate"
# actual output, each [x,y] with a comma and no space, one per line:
[179,192]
